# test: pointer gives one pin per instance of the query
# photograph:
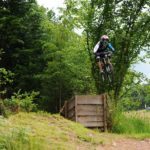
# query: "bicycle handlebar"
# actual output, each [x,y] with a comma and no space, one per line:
[104,53]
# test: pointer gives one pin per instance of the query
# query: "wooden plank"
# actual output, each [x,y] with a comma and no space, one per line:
[89,99]
[71,113]
[95,108]
[105,113]
[89,113]
[73,109]
[63,109]
[93,124]
[90,118]
[71,104]
[89,110]
[76,118]
[66,109]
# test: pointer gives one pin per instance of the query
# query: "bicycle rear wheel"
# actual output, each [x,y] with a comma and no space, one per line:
[109,73]
[110,78]
[102,76]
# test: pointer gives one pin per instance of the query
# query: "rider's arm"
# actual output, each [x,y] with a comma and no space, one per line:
[96,48]
[111,47]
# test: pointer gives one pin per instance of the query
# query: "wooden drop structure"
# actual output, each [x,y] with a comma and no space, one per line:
[89,110]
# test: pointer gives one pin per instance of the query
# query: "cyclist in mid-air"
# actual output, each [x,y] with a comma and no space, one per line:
[100,48]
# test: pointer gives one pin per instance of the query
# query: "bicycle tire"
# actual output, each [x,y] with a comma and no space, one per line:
[103,77]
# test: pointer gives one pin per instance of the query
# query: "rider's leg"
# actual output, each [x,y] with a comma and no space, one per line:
[111,67]
[100,66]
[99,62]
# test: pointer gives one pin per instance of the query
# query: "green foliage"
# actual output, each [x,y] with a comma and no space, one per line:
[5,76]
[21,42]
[46,55]
[120,20]
[130,124]
[20,139]
[135,93]
[5,79]
[3,110]
[41,50]
[68,67]
[130,104]
[21,102]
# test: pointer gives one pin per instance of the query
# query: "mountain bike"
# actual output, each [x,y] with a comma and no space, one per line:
[104,59]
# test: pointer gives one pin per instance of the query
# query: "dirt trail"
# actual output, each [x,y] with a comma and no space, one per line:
[126,144]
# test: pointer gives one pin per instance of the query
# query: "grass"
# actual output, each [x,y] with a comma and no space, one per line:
[36,131]
[18,137]
[44,131]
[134,124]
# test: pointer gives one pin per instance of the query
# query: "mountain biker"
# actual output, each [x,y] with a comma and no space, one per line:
[100,48]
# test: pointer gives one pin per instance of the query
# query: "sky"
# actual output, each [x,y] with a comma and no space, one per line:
[51,4]
[143,67]
[54,4]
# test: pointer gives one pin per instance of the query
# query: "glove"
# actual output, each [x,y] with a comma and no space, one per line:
[110,53]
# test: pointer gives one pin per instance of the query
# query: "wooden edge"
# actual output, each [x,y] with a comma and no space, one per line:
[63,108]
[66,109]
[75,108]
[105,112]
[72,99]
[71,105]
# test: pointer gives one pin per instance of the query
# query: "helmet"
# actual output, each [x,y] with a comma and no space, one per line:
[104,37]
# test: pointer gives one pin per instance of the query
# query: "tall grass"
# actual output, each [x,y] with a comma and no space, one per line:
[131,123]
[42,131]
[19,140]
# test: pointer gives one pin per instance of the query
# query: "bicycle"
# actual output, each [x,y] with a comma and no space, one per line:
[104,60]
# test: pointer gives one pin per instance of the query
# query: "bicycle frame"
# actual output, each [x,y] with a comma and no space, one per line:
[106,66]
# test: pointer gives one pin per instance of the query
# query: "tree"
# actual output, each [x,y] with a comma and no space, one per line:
[43,53]
[21,41]
[132,95]
[119,19]
[68,68]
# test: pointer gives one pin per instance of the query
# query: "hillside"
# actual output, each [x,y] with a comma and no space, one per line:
[36,131]
[44,131]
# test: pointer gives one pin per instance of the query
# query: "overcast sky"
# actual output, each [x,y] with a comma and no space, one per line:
[51,4]
[144,68]
[54,4]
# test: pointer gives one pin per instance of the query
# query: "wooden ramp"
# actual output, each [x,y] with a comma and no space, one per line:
[89,110]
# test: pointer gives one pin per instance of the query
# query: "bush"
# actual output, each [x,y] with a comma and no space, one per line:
[21,102]
[3,109]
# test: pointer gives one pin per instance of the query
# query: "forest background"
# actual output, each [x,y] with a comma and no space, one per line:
[44,60]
